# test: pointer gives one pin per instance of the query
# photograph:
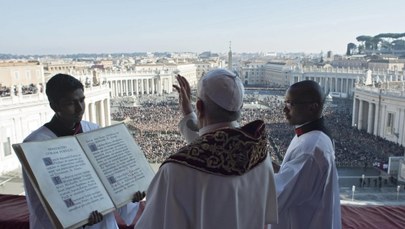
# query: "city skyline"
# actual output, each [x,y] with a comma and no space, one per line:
[60,27]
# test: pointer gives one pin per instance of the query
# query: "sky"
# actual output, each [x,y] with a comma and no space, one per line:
[100,26]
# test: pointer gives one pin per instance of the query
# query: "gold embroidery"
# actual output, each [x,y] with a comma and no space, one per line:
[225,152]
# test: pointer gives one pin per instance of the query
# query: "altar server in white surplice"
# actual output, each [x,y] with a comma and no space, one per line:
[66,97]
[307,182]
[223,178]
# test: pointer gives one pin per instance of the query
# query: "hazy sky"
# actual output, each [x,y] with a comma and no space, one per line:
[90,26]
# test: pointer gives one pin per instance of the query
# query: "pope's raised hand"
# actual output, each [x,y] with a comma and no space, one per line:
[184,94]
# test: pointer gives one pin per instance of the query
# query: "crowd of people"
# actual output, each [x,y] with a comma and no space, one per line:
[155,129]
[223,159]
[356,148]
[25,90]
[154,126]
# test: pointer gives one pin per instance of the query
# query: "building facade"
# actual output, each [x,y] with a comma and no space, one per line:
[254,74]
[153,82]
[278,74]
[20,114]
[338,81]
[203,67]
[19,74]
[381,111]
[144,80]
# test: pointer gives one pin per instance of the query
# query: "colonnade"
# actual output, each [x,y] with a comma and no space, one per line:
[331,83]
[366,115]
[132,86]
[98,111]
[380,113]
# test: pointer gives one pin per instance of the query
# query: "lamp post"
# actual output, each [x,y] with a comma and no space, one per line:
[396,135]
[398,188]
[353,189]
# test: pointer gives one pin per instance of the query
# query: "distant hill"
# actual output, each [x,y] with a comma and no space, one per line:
[4,56]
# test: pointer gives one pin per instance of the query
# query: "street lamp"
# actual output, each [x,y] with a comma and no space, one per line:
[398,188]
[353,189]
[396,135]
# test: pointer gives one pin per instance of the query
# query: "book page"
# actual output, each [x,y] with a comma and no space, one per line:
[66,179]
[121,164]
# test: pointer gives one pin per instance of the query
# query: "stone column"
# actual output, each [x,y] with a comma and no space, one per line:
[153,86]
[102,113]
[360,122]
[159,83]
[142,86]
[370,118]
[147,87]
[118,85]
[164,81]
[87,112]
[169,85]
[107,112]
[376,117]
[354,115]
[344,83]
[136,87]
[124,87]
[131,87]
[93,117]
[117,88]
[112,90]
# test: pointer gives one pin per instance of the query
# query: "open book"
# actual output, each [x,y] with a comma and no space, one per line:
[75,175]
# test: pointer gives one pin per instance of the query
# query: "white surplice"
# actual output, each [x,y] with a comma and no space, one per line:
[307,184]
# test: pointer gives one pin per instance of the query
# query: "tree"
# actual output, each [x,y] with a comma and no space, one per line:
[398,45]
[351,47]
[385,45]
[365,41]
[374,42]
[382,41]
[360,49]
[390,35]
[389,43]
[363,38]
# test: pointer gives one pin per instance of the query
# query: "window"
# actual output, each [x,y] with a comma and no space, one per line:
[390,123]
[7,147]
[28,75]
[16,75]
